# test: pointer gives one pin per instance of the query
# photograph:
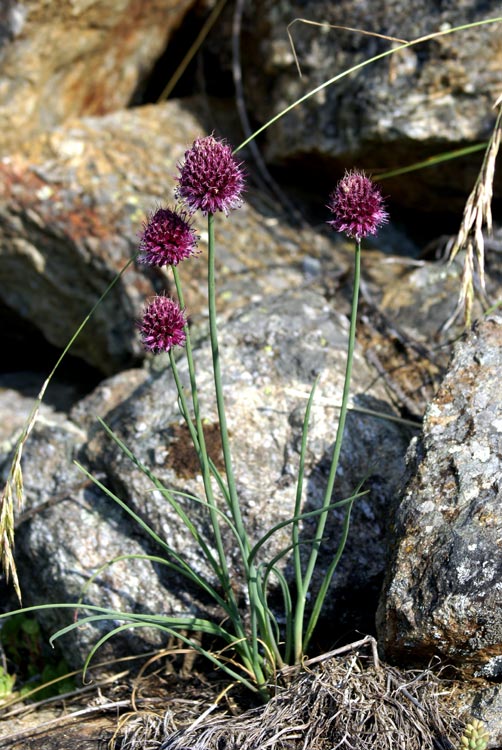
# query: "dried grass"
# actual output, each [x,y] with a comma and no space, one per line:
[341,703]
[476,218]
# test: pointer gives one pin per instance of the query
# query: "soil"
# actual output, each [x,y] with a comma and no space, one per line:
[89,717]
[37,731]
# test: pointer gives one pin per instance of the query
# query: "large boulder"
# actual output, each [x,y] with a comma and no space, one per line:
[71,210]
[443,593]
[70,214]
[271,353]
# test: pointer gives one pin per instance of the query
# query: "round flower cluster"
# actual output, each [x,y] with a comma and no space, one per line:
[163,325]
[167,238]
[357,206]
[210,178]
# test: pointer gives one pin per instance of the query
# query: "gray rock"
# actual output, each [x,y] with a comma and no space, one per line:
[448,522]
[71,210]
[271,353]
[443,591]
[64,534]
[70,221]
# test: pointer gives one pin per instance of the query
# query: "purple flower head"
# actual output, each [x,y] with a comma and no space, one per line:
[167,238]
[163,325]
[357,206]
[210,178]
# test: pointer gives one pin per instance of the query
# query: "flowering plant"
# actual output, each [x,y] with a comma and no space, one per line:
[255,646]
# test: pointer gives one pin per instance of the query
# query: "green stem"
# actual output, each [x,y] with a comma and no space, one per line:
[249,652]
[195,434]
[295,528]
[213,334]
[318,604]
[303,589]
[200,445]
[199,442]
[259,629]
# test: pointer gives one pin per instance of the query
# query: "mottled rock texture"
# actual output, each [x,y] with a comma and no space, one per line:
[443,590]
[72,207]
[64,58]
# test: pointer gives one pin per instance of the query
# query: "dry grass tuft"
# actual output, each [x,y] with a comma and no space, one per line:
[142,729]
[341,703]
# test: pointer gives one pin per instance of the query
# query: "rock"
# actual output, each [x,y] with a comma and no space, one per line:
[71,210]
[447,522]
[442,594]
[405,306]
[76,57]
[272,352]
[427,99]
[69,222]
[15,408]
[74,531]
[70,214]
[482,700]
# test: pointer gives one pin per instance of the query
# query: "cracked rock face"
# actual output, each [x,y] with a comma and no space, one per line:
[443,591]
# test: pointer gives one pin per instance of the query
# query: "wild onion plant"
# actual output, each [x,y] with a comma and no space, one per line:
[254,646]
[255,643]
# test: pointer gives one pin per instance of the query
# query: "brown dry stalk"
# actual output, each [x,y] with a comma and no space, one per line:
[477,216]
[13,494]
[324,26]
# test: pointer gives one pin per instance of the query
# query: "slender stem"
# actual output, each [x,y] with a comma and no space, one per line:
[213,333]
[195,393]
[318,604]
[302,593]
[199,442]
[364,63]
[295,528]
[258,615]
[251,659]
[222,569]
[188,346]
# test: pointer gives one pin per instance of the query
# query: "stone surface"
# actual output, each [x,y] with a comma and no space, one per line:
[71,209]
[427,99]
[272,351]
[73,531]
[69,222]
[75,57]
[15,409]
[443,590]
